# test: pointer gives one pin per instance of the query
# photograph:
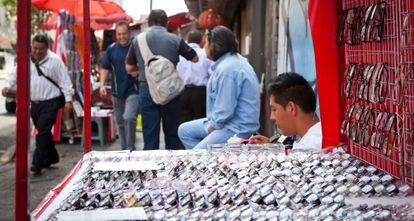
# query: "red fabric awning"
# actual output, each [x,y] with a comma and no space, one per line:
[329,59]
[97,23]
[177,20]
[100,8]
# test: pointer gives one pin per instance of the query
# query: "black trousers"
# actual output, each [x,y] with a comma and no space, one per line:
[44,116]
[193,103]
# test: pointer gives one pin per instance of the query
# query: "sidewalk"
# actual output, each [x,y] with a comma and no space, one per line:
[69,154]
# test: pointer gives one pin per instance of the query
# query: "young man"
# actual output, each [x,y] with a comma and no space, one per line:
[293,104]
[170,46]
[195,77]
[45,67]
[124,88]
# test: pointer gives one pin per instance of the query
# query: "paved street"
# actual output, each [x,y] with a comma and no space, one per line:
[69,154]
[7,123]
[40,185]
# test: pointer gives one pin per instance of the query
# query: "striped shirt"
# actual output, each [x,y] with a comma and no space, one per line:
[42,89]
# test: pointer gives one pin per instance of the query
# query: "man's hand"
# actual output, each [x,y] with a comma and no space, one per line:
[132,70]
[134,74]
[68,106]
[4,91]
[102,91]
[259,139]
[210,129]
[195,59]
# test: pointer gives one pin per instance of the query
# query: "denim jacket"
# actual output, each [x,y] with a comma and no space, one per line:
[233,95]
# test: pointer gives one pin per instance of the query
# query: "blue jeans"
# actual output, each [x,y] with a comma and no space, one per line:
[194,134]
[126,111]
[152,114]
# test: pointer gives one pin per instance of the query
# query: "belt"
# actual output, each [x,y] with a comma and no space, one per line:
[44,101]
[194,86]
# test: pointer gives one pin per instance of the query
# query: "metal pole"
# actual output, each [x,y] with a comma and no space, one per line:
[150,5]
[23,94]
[87,75]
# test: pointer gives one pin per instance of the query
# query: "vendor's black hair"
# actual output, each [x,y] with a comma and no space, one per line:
[293,87]
[158,17]
[42,38]
[194,37]
[221,41]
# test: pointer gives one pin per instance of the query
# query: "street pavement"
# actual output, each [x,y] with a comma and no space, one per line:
[40,185]
[7,123]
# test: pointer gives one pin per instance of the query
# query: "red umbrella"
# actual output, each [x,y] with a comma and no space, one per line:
[101,8]
[177,20]
[97,23]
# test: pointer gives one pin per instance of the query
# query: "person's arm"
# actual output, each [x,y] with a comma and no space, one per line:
[104,71]
[132,70]
[10,82]
[102,79]
[187,52]
[225,103]
[131,61]
[61,75]
[259,139]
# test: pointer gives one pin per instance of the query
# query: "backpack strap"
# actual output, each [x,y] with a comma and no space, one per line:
[143,47]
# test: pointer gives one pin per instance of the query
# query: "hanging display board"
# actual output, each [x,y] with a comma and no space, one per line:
[377,84]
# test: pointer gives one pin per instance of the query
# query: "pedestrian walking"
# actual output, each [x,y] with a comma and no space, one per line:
[50,90]
[169,46]
[124,87]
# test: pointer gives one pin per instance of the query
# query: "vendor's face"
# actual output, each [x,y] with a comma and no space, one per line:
[39,51]
[122,34]
[281,116]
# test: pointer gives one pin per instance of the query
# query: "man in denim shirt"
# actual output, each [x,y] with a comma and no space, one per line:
[124,87]
[232,96]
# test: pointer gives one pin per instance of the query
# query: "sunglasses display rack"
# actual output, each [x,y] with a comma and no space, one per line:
[407,70]
[377,90]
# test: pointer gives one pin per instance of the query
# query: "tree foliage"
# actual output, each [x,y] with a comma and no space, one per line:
[37,16]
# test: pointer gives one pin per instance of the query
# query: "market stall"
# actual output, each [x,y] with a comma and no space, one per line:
[229,182]
[372,179]
[365,80]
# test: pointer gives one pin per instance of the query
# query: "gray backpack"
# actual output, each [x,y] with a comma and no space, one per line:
[163,80]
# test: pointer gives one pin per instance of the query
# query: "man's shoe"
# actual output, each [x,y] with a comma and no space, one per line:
[46,165]
[36,170]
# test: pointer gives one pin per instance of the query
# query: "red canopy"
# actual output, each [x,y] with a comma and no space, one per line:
[100,8]
[176,21]
[97,23]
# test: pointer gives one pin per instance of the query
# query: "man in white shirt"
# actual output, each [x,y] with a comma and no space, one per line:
[195,76]
[50,89]
[293,104]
